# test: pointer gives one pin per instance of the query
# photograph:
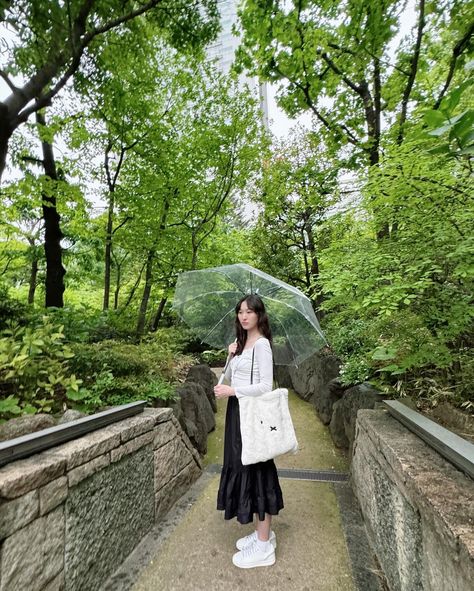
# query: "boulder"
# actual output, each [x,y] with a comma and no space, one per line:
[203,375]
[25,425]
[175,406]
[343,421]
[281,375]
[199,417]
[71,415]
[312,379]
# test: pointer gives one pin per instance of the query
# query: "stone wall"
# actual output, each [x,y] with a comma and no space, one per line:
[316,380]
[69,516]
[418,508]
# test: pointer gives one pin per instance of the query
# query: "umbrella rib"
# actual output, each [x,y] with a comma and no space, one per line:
[287,338]
[296,310]
[206,294]
[232,281]
[216,324]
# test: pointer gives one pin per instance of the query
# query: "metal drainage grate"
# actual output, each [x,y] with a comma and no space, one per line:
[317,475]
[320,475]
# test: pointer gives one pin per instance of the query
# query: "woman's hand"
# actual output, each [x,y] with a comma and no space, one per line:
[232,348]
[223,391]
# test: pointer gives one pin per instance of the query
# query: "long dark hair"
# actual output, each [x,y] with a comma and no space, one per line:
[254,303]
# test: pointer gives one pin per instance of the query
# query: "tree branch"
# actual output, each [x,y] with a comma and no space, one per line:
[413,70]
[79,41]
[357,88]
[5,77]
[458,49]
[122,224]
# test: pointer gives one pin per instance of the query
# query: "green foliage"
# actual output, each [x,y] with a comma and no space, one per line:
[411,293]
[111,391]
[214,358]
[123,359]
[453,123]
[297,189]
[339,62]
[34,373]
[114,372]
[106,390]
[11,309]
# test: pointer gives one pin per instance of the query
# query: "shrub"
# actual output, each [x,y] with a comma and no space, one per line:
[11,309]
[115,373]
[214,357]
[34,372]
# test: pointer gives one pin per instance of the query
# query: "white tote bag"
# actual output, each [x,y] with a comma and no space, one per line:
[266,427]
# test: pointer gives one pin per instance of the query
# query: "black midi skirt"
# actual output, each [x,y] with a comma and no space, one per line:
[245,490]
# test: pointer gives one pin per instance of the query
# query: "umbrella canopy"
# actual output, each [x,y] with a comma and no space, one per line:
[206,300]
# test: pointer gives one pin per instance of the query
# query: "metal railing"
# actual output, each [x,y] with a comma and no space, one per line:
[454,448]
[24,446]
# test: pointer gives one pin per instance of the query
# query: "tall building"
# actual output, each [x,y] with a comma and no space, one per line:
[222,52]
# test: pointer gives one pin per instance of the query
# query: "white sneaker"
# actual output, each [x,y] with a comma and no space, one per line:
[242,543]
[252,556]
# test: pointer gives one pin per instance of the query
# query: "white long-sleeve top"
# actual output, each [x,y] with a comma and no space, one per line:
[239,369]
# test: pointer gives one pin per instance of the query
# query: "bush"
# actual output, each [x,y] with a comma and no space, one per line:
[34,372]
[106,390]
[38,369]
[214,357]
[115,373]
[85,324]
[11,309]
[123,359]
[398,355]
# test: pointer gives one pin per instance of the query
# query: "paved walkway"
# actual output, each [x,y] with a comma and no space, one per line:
[321,542]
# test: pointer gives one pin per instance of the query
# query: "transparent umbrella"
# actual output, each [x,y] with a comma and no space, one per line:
[206,300]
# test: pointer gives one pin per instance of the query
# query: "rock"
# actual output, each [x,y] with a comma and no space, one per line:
[337,388]
[343,421]
[282,377]
[71,415]
[311,381]
[203,375]
[198,414]
[25,425]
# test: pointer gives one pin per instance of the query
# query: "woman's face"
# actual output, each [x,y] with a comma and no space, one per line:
[247,317]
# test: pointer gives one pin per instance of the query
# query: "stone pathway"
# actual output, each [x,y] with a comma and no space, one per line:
[321,540]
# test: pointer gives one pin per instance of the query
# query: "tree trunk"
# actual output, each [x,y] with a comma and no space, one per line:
[314,267]
[117,288]
[135,286]
[108,249]
[54,284]
[146,293]
[33,278]
[159,313]
[5,134]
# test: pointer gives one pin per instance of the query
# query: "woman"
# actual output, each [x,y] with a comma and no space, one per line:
[253,489]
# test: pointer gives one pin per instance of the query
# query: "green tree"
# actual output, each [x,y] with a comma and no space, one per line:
[336,60]
[400,310]
[51,42]
[298,188]
[180,184]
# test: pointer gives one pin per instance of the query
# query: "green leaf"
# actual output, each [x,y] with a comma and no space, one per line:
[382,353]
[434,118]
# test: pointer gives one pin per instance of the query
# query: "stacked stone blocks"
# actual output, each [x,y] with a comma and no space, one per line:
[417,507]
[70,515]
